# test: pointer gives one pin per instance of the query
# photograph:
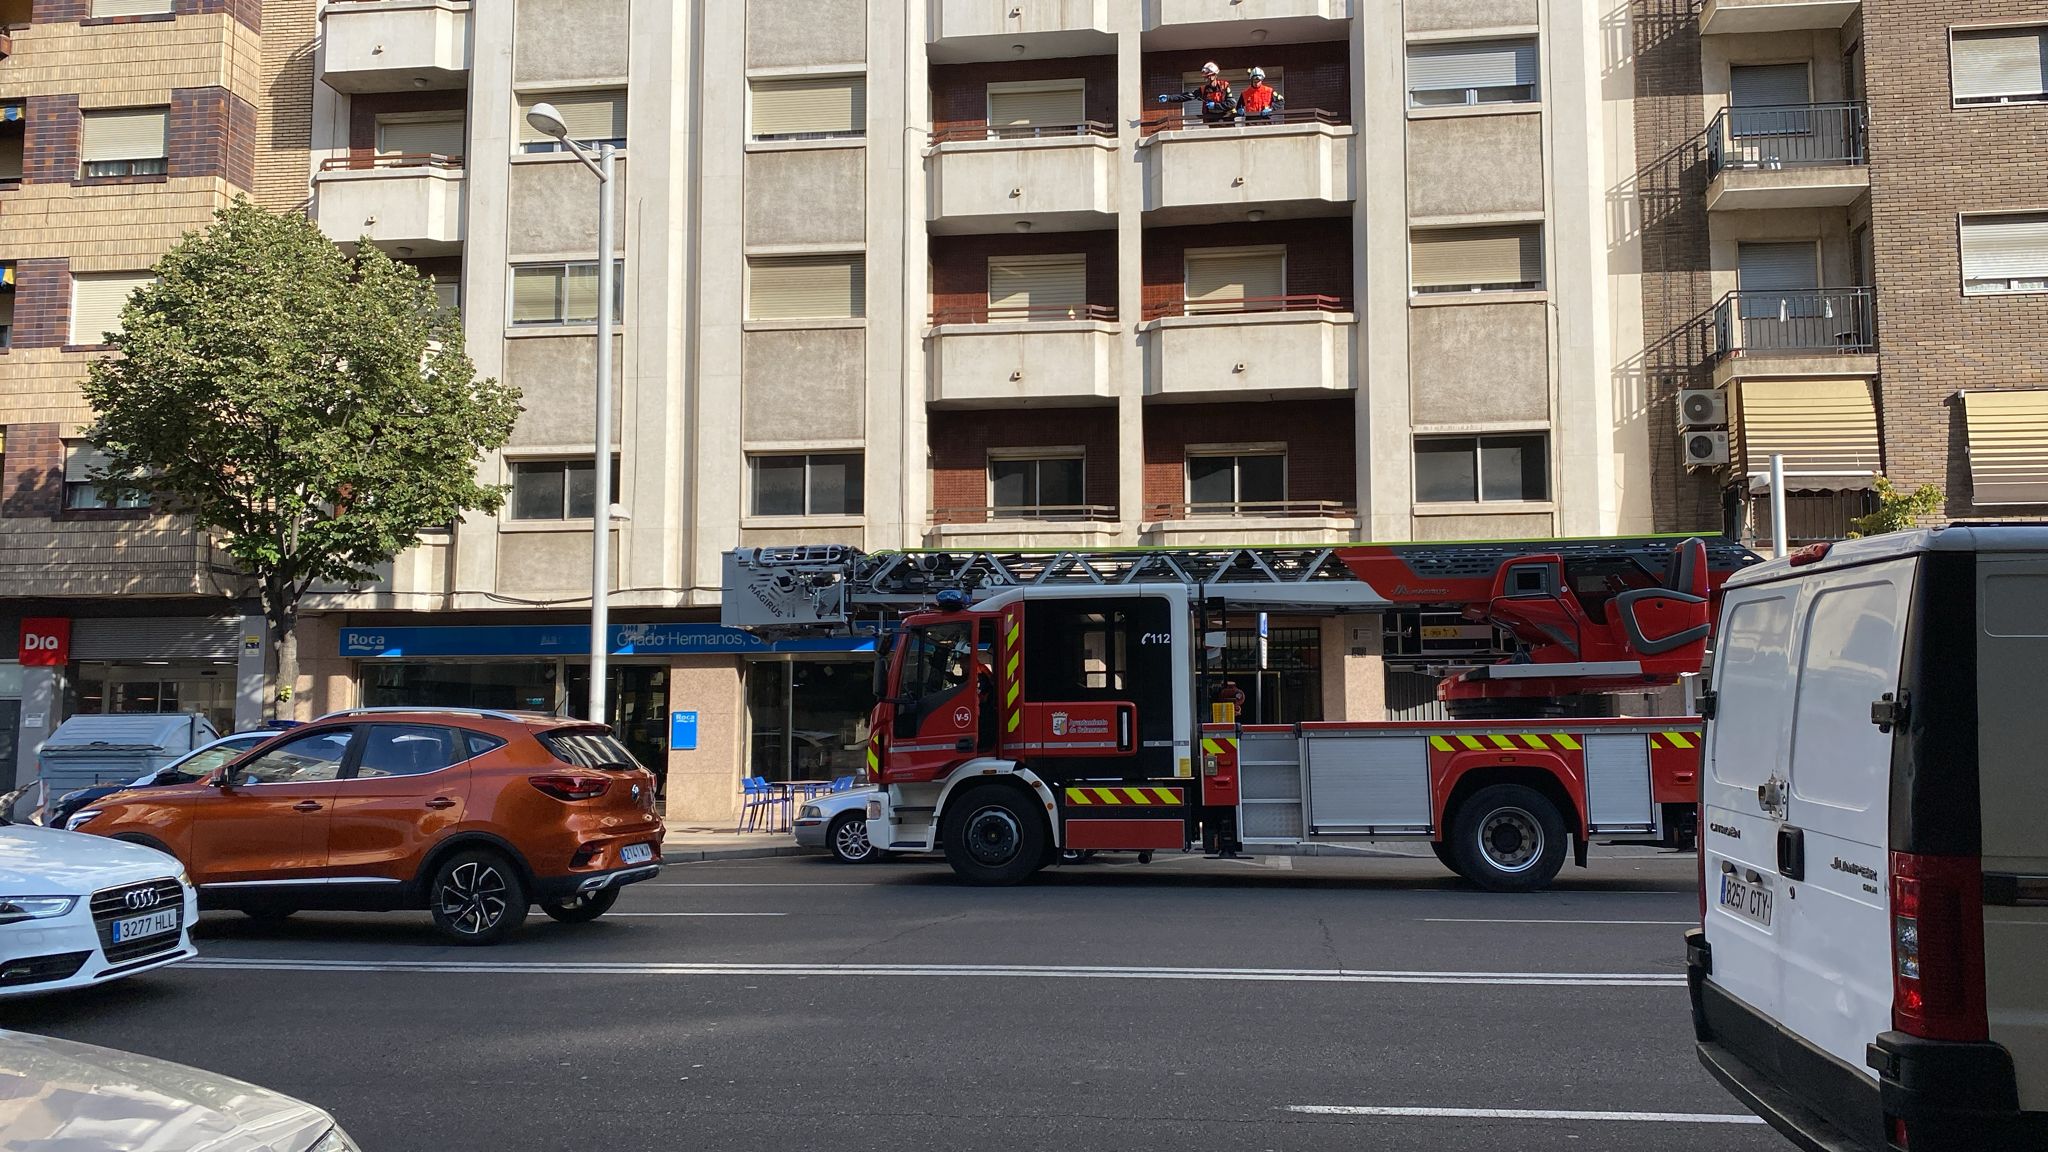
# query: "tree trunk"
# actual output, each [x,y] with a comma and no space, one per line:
[281,609]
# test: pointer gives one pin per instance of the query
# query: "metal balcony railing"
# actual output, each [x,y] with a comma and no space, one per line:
[1298,302]
[1203,509]
[1022,313]
[1812,322]
[982,130]
[1765,139]
[1188,118]
[361,162]
[1042,513]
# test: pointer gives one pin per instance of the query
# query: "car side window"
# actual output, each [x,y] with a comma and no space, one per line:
[407,750]
[305,759]
[481,742]
[205,763]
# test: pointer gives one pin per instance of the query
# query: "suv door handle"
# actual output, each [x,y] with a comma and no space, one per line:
[440,802]
[306,806]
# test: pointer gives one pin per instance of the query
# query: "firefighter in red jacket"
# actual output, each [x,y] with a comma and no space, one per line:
[1217,106]
[1258,99]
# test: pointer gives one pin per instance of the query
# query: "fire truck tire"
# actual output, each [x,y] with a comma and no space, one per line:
[1442,849]
[1508,838]
[993,835]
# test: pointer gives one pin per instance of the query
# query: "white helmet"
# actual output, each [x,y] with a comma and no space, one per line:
[1210,69]
[1258,73]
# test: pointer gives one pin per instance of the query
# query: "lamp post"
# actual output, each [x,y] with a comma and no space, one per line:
[548,122]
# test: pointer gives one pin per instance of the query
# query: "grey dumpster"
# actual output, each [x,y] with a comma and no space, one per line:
[89,750]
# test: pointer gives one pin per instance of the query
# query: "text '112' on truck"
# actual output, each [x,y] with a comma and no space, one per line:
[1031,702]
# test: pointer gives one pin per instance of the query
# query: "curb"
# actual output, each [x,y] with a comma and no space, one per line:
[697,855]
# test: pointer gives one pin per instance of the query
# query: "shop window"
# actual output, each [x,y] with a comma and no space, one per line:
[562,294]
[512,685]
[1243,483]
[1467,469]
[593,118]
[128,142]
[1036,486]
[145,687]
[86,484]
[825,484]
[557,489]
[808,719]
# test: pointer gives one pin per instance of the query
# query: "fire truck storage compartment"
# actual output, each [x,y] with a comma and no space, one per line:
[1269,786]
[1363,783]
[1618,795]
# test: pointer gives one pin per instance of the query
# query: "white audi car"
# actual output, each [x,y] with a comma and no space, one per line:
[77,910]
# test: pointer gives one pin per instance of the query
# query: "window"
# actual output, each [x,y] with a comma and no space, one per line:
[558,294]
[1237,483]
[12,140]
[809,108]
[201,765]
[1021,107]
[1235,279]
[1468,469]
[593,118]
[96,302]
[1037,287]
[1472,72]
[7,310]
[129,142]
[1025,487]
[421,136]
[2005,254]
[101,8]
[1999,65]
[817,485]
[85,483]
[585,749]
[557,489]
[407,750]
[448,290]
[1497,258]
[806,287]
[311,758]
[1770,99]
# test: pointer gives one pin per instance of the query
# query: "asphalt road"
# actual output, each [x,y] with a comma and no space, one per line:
[1284,1003]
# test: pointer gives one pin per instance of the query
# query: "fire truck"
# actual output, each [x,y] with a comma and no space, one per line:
[1034,702]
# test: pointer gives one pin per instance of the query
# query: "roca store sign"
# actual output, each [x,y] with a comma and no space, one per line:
[45,642]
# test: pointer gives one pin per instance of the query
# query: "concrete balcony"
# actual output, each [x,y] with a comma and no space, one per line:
[1819,333]
[397,201]
[1197,175]
[1022,355]
[1276,16]
[963,30]
[1060,178]
[1199,526]
[1079,526]
[1735,17]
[1292,346]
[1794,156]
[395,45]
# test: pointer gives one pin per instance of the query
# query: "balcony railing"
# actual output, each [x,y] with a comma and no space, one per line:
[1299,302]
[1178,120]
[1811,323]
[1767,139]
[1023,314]
[982,130]
[363,163]
[1041,513]
[1307,509]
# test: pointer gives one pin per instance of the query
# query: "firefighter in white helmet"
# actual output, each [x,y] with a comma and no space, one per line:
[1218,108]
[1258,99]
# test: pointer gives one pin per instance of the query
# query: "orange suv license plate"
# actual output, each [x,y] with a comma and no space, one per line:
[636,853]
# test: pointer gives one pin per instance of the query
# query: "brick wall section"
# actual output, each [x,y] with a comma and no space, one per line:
[53,11]
[284,120]
[213,133]
[42,304]
[961,441]
[49,147]
[1670,189]
[1929,162]
[1318,435]
[960,91]
[248,13]
[365,108]
[1318,256]
[959,267]
[1315,75]
[32,472]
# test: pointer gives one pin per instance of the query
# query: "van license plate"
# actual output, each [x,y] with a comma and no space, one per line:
[136,927]
[1750,901]
[637,853]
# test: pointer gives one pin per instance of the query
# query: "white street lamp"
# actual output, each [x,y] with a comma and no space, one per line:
[548,122]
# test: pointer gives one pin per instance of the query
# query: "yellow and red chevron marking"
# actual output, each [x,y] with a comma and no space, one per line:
[1216,746]
[1013,653]
[1497,742]
[1674,740]
[1125,797]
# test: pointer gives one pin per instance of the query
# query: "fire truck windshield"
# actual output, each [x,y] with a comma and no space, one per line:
[935,661]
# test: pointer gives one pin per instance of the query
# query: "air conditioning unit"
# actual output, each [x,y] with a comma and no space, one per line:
[1703,408]
[1704,449]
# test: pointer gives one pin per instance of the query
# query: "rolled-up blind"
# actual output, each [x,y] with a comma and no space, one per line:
[1220,280]
[809,107]
[129,8]
[1478,257]
[1063,105]
[420,137]
[1995,63]
[579,293]
[590,116]
[132,134]
[1769,85]
[1037,286]
[2005,247]
[806,287]
[534,293]
[1471,64]
[96,302]
[83,462]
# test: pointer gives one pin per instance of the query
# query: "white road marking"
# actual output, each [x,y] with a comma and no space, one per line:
[1475,920]
[609,915]
[1528,1114]
[1008,971]
[790,884]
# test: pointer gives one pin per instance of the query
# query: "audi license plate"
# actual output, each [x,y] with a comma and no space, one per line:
[136,927]
[637,853]
[1751,901]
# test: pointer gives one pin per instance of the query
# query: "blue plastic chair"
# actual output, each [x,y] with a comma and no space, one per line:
[755,797]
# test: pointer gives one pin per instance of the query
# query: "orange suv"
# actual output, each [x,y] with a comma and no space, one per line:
[473,815]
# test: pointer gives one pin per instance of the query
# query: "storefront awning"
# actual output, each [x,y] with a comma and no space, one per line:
[1821,427]
[2008,446]
[573,640]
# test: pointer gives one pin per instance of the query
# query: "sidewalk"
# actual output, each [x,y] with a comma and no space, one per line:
[689,843]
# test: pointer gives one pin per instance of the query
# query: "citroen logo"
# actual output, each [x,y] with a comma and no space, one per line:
[143,898]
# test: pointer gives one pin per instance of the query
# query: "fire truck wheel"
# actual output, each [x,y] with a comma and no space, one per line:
[994,835]
[1444,856]
[1508,838]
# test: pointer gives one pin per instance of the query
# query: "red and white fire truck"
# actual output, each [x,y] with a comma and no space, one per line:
[1034,702]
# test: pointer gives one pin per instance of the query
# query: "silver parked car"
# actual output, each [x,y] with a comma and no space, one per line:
[837,822]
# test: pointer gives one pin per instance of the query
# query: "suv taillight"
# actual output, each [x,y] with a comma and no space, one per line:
[566,787]
[1938,947]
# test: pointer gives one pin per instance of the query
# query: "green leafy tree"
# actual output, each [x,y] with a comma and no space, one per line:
[1898,509]
[313,411]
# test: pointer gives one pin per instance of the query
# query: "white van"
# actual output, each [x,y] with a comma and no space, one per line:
[1872,967]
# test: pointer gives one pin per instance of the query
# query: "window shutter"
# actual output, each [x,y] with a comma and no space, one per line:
[533,295]
[589,115]
[1219,280]
[806,288]
[420,137]
[809,107]
[579,293]
[1769,85]
[141,134]
[1043,284]
[2005,247]
[1469,257]
[1474,64]
[82,462]
[2000,62]
[96,302]
[1037,106]
[2008,446]
[129,8]
[1777,267]
[448,290]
